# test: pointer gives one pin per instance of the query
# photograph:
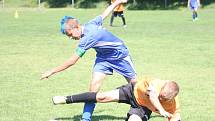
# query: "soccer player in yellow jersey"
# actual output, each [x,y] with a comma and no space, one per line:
[145,96]
[118,11]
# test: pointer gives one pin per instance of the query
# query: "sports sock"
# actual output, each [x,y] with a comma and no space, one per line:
[88,111]
[123,20]
[83,97]
[194,16]
[111,19]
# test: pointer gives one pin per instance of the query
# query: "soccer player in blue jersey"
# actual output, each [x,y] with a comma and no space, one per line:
[112,54]
[194,4]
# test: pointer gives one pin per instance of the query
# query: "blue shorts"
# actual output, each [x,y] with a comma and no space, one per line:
[123,66]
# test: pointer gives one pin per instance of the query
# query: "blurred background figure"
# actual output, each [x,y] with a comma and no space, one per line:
[118,11]
[193,5]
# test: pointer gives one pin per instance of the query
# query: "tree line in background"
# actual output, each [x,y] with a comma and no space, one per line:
[132,4]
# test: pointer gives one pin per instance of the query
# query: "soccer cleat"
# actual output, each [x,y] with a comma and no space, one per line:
[195,19]
[59,100]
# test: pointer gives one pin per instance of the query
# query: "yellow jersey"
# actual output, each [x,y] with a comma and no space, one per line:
[142,98]
[118,8]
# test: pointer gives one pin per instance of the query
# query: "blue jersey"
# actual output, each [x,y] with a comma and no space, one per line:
[107,46]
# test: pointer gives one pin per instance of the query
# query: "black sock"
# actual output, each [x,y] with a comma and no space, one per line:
[111,20]
[123,20]
[83,97]
[196,15]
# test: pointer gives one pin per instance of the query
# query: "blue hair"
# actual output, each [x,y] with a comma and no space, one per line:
[63,22]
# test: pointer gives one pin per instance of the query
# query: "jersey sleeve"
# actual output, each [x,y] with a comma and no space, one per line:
[85,44]
[97,21]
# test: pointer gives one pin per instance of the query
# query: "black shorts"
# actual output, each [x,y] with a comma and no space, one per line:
[118,13]
[126,95]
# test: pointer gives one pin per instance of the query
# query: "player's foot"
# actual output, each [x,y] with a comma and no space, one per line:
[59,100]
[125,26]
[196,19]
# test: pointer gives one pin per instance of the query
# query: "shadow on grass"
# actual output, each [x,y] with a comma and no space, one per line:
[94,118]
[98,118]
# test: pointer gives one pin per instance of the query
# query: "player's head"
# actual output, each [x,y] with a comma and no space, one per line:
[169,91]
[71,27]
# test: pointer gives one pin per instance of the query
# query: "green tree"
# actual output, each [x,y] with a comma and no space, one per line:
[132,4]
[57,3]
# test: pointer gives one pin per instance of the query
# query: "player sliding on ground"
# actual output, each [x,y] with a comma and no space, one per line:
[145,96]
[112,54]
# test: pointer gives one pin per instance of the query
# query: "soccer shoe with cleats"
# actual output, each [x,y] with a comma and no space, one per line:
[59,100]
[196,18]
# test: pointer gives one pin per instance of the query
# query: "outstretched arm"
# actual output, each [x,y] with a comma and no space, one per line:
[111,7]
[153,96]
[71,61]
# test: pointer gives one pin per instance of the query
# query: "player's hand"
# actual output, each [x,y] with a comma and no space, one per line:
[46,75]
[166,114]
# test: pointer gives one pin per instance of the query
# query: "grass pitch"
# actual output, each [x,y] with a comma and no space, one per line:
[163,44]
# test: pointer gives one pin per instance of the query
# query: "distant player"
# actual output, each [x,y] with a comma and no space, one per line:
[111,52]
[145,96]
[118,11]
[194,4]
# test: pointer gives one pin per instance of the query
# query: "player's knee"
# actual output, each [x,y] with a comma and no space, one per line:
[134,117]
[100,97]
[131,80]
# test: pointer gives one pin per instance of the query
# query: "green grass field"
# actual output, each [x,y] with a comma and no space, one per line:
[163,44]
